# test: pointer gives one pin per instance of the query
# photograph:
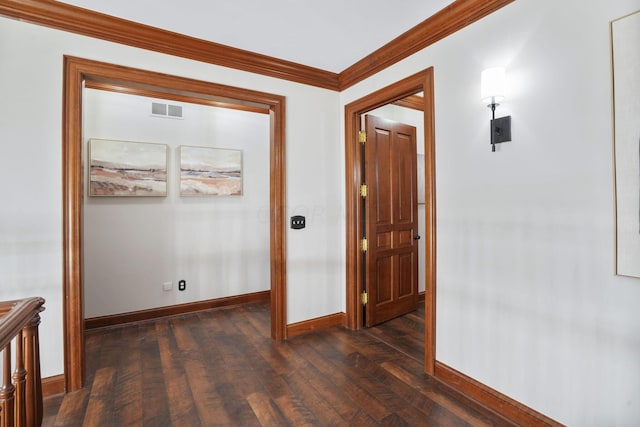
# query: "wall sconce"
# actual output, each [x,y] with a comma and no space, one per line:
[492,89]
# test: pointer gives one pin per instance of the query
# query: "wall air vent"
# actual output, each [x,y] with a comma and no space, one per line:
[158,109]
[166,110]
[174,111]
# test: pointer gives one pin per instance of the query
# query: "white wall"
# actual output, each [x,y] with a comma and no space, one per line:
[30,170]
[132,245]
[527,299]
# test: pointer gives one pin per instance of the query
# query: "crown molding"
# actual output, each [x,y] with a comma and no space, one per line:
[77,20]
[452,18]
[65,17]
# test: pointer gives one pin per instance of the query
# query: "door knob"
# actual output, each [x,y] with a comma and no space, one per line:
[416,237]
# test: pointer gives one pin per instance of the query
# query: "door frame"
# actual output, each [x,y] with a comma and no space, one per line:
[77,72]
[419,82]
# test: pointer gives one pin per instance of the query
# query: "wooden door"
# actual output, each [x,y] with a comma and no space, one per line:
[391,212]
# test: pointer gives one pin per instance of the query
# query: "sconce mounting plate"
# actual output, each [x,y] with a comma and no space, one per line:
[501,130]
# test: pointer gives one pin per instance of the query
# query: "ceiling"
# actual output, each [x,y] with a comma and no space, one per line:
[328,34]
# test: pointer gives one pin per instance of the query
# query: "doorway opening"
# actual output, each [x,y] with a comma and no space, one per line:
[79,73]
[402,90]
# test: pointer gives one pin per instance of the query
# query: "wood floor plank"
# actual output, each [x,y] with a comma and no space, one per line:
[465,409]
[295,411]
[265,410]
[362,419]
[366,401]
[225,374]
[350,365]
[227,368]
[209,403]
[317,405]
[394,420]
[155,391]
[173,391]
[328,405]
[360,341]
[127,406]
[50,411]
[99,408]
[209,400]
[339,401]
[72,408]
[260,320]
[429,408]
[399,341]
[220,367]
[265,348]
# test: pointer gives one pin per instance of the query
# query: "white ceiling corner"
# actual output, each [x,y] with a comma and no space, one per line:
[329,34]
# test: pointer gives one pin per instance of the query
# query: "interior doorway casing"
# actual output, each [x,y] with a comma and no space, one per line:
[77,71]
[420,82]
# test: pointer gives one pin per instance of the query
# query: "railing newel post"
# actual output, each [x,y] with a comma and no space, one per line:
[21,393]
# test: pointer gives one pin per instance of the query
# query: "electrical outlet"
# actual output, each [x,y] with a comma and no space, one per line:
[167,286]
[182,285]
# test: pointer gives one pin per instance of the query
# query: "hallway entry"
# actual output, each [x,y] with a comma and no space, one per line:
[356,224]
[80,73]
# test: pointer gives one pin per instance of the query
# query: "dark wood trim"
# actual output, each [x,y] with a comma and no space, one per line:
[452,18]
[429,119]
[72,224]
[77,71]
[421,296]
[353,174]
[150,93]
[53,385]
[73,19]
[420,82]
[315,324]
[509,408]
[414,102]
[173,310]
[278,220]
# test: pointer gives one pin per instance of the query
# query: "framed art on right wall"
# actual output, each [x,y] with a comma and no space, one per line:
[625,48]
[209,171]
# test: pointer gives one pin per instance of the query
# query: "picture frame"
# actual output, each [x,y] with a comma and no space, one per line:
[127,168]
[625,57]
[210,171]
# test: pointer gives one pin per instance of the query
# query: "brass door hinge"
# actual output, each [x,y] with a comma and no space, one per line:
[364,298]
[364,191]
[362,135]
[364,245]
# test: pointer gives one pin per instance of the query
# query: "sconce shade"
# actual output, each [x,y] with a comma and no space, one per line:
[492,84]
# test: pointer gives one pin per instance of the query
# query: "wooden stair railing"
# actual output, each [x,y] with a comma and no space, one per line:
[20,392]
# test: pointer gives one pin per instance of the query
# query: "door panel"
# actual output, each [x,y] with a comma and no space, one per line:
[406,266]
[406,159]
[384,271]
[382,170]
[392,223]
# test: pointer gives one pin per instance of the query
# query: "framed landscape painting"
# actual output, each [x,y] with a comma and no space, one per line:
[625,43]
[123,168]
[207,171]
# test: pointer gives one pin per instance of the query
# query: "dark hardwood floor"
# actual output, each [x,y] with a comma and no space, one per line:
[220,367]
